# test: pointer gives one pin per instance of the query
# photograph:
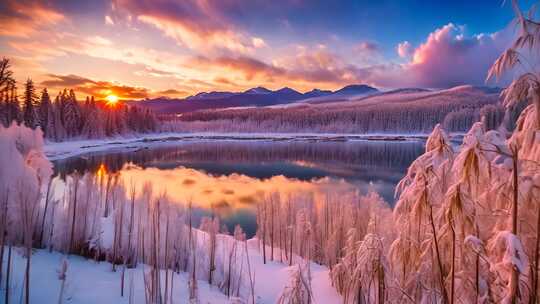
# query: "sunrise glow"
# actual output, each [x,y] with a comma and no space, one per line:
[111,100]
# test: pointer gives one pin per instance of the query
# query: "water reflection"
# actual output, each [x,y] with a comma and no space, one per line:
[229,177]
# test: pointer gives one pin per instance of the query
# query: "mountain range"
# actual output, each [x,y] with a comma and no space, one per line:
[254,97]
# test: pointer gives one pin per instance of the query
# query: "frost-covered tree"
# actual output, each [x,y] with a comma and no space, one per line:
[416,254]
[298,290]
[93,126]
[25,170]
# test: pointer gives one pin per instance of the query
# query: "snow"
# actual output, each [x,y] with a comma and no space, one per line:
[84,277]
[272,277]
[91,282]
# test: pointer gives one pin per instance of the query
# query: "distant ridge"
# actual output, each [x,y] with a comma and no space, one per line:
[355,89]
[285,97]
[254,97]
[210,95]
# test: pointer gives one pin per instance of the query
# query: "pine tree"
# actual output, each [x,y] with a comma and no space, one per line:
[9,104]
[29,112]
[57,132]
[45,111]
[71,113]
[93,122]
[6,76]
[6,82]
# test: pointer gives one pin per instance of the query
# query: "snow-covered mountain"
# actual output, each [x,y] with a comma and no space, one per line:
[254,97]
[210,95]
[258,90]
[356,89]
[317,93]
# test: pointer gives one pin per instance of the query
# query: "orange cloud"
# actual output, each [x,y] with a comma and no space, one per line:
[251,68]
[225,81]
[99,89]
[305,70]
[25,18]
[192,24]
[172,93]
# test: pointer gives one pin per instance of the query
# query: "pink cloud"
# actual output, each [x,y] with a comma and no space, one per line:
[404,49]
[367,47]
[449,58]
[446,58]
[198,25]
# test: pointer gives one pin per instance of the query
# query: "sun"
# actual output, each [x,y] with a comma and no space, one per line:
[112,99]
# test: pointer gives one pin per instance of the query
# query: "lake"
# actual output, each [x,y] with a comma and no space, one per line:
[229,177]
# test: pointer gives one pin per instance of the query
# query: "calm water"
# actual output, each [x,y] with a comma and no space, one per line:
[232,176]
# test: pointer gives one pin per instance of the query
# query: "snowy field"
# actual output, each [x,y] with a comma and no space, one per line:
[89,282]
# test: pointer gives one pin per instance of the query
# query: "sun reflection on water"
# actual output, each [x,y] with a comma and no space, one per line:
[102,171]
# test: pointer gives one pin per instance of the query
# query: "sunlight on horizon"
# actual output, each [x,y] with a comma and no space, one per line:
[112,100]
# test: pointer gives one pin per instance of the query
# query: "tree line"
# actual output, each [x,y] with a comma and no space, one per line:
[66,117]
[458,109]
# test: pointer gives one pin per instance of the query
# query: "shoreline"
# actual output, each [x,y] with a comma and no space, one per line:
[66,149]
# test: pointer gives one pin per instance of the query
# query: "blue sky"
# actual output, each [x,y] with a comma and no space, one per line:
[144,48]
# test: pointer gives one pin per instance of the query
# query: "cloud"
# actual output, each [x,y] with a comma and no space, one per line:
[193,24]
[404,49]
[448,57]
[258,42]
[65,81]
[109,20]
[149,71]
[319,66]
[99,89]
[304,69]
[367,47]
[172,93]
[225,81]
[25,18]
[99,41]
[249,67]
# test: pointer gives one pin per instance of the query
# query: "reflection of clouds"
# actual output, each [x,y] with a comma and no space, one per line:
[303,163]
[234,191]
[188,182]
[329,168]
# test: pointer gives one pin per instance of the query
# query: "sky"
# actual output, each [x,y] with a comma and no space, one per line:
[148,48]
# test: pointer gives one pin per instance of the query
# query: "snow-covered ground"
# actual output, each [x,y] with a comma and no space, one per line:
[91,282]
[65,149]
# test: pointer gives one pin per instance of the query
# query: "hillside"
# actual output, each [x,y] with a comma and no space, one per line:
[399,111]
